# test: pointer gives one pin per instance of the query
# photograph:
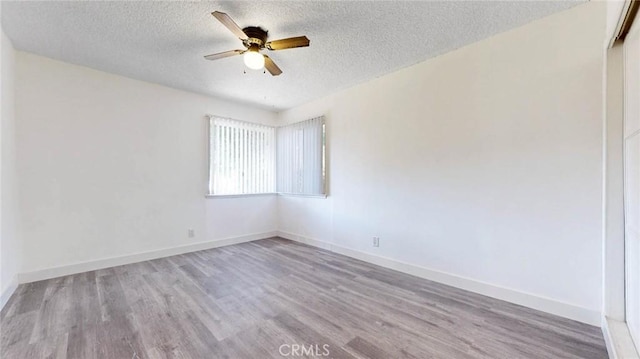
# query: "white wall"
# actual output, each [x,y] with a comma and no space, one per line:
[111,166]
[10,252]
[484,163]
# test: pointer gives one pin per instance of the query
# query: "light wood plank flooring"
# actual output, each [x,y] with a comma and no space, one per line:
[260,299]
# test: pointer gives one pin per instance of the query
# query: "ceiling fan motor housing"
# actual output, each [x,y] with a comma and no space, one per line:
[256,36]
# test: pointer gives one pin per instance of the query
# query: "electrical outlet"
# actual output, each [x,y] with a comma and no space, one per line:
[191,233]
[376,241]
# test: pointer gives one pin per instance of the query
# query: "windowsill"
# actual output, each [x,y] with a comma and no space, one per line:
[265,194]
[303,195]
[239,195]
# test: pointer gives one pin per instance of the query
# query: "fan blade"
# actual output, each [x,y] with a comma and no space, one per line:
[292,42]
[222,55]
[230,24]
[271,66]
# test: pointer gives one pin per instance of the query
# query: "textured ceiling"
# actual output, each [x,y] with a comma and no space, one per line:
[351,42]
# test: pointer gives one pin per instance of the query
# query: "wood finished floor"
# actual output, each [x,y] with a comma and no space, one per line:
[246,300]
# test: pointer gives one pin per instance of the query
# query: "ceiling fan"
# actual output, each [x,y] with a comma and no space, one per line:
[255,39]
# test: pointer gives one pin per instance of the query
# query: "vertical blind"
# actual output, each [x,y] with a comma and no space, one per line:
[241,157]
[300,157]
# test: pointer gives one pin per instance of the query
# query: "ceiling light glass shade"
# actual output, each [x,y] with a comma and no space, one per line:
[254,60]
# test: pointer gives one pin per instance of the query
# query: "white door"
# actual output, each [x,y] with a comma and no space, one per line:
[632,179]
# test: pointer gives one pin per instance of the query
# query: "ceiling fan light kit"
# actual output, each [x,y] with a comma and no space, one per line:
[253,58]
[254,39]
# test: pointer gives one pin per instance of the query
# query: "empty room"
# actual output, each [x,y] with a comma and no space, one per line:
[320,179]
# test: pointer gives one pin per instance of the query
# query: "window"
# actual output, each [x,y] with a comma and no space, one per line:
[301,158]
[247,158]
[241,157]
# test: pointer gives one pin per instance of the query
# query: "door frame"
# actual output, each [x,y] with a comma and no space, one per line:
[621,16]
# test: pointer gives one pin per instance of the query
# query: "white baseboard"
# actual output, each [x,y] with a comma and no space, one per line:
[8,292]
[87,266]
[525,299]
[608,341]
[618,340]
[566,310]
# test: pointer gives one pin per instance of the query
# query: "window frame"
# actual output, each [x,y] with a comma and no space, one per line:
[210,174]
[323,162]
[210,177]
